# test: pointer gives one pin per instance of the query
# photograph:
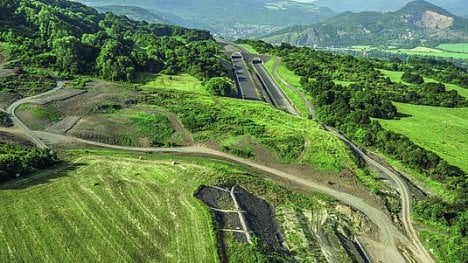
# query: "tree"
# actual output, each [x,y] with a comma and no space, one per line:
[219,86]
[67,51]
[412,78]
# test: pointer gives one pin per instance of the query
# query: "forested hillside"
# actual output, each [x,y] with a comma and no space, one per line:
[70,38]
[418,23]
[234,18]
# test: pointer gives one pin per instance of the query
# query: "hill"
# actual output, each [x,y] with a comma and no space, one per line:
[238,18]
[418,23]
[71,38]
[141,14]
[458,7]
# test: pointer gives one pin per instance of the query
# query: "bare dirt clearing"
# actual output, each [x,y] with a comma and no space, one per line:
[63,94]
[64,125]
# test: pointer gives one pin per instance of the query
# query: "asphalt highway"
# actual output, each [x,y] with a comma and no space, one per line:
[390,238]
[276,95]
[246,85]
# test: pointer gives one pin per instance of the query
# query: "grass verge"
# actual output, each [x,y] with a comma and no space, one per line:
[281,72]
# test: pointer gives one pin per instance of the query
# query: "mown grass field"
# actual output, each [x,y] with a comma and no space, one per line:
[112,206]
[395,76]
[442,130]
[458,51]
[107,207]
[455,50]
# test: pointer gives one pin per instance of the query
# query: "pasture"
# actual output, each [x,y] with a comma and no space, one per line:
[442,130]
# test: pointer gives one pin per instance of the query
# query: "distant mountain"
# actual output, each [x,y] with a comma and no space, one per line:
[418,23]
[141,14]
[235,18]
[457,7]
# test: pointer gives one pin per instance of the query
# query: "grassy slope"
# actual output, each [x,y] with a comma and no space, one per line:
[289,77]
[107,209]
[395,76]
[442,130]
[294,80]
[249,48]
[183,82]
[323,151]
[116,206]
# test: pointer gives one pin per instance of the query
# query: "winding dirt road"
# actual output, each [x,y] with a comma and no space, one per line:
[402,187]
[390,238]
[11,111]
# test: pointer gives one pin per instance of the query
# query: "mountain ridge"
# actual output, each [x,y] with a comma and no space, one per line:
[417,23]
[457,7]
[152,16]
[239,18]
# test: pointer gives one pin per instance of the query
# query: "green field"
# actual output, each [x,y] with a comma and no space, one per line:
[457,47]
[182,82]
[456,50]
[112,206]
[395,76]
[448,51]
[105,207]
[442,130]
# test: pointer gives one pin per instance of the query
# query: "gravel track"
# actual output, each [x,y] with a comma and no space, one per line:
[390,237]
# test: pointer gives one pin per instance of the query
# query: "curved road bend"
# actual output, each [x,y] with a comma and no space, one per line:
[402,187]
[389,235]
[11,111]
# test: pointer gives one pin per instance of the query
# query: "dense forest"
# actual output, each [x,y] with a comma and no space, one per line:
[71,38]
[369,95]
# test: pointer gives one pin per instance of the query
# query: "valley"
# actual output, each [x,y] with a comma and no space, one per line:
[136,139]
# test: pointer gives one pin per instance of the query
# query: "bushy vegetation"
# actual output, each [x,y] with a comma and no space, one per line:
[17,160]
[207,121]
[412,78]
[75,39]
[449,223]
[351,108]
[4,119]
[219,86]
[26,84]
[157,126]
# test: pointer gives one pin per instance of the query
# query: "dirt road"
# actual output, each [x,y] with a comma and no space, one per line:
[11,111]
[402,187]
[390,236]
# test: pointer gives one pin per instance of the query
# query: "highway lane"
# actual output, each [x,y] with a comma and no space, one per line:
[402,187]
[246,85]
[390,236]
[278,98]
